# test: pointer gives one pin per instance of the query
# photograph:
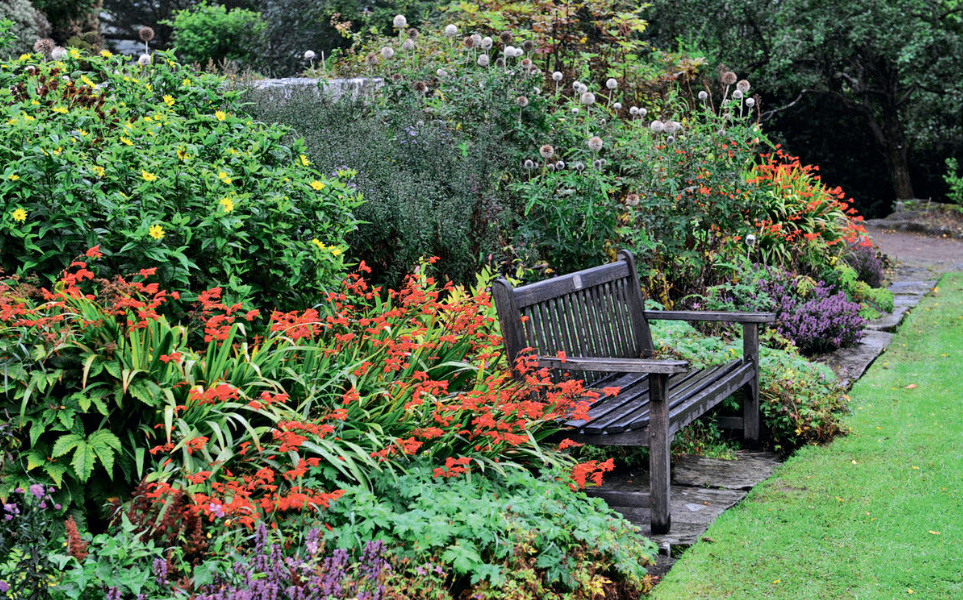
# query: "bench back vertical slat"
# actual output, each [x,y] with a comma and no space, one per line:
[595,312]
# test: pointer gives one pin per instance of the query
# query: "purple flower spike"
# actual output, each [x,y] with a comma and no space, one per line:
[37,491]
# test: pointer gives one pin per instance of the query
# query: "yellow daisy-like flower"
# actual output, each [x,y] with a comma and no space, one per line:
[106,53]
[28,118]
[87,81]
[19,215]
[224,177]
[335,251]
[13,177]
[228,204]
[82,132]
[25,57]
[60,109]
[148,87]
[182,154]
[74,53]
[148,176]
[186,83]
[97,170]
[305,161]
[126,141]
[169,100]
[156,232]
[220,115]
[318,243]
[317,185]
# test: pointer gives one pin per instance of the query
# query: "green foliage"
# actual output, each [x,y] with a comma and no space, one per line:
[520,530]
[211,33]
[27,26]
[954,180]
[159,165]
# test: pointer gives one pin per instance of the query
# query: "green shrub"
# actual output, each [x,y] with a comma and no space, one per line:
[161,167]
[211,33]
[27,26]
[954,182]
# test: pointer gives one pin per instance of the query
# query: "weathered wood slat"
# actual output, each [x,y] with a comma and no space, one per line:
[614,365]
[566,284]
[699,404]
[697,315]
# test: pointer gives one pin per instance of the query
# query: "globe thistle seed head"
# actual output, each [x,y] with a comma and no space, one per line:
[575,111]
[441,73]
[521,101]
[412,33]
[529,164]
[595,144]
[145,34]
[703,95]
[597,163]
[643,112]
[588,99]
[737,94]
[634,111]
[657,126]
[670,140]
[408,45]
[476,39]
[671,127]
[557,76]
[144,60]
[500,62]
[750,240]
[579,166]
[528,45]
[451,30]
[309,55]
[486,43]
[58,53]
[546,151]
[506,37]
[577,86]
[611,83]
[728,78]
[743,86]
[527,64]
[509,51]
[617,106]
[400,22]
[551,167]
[387,52]
[421,87]
[632,200]
[372,58]
[750,102]
[483,60]
[469,42]
[560,165]
[44,46]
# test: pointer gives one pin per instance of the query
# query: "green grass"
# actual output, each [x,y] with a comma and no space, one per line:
[876,514]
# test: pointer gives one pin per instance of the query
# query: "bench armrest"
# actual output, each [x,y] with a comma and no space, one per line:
[695,315]
[614,365]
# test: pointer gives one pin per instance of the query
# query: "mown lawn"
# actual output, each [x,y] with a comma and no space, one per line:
[876,514]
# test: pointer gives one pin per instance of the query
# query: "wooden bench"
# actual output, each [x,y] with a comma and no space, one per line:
[596,317]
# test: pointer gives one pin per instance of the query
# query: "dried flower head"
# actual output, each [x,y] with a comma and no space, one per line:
[579,166]
[743,86]
[521,101]
[632,200]
[505,37]
[750,102]
[529,164]
[750,240]
[703,95]
[737,94]
[527,64]
[588,99]
[560,165]
[144,60]
[671,127]
[44,46]
[451,30]
[58,53]
[617,106]
[657,126]
[483,60]
[500,62]
[557,76]
[634,111]
[310,55]
[643,112]
[400,22]
[486,43]
[476,39]
[595,144]
[575,110]
[597,163]
[728,78]
[670,140]
[387,52]
[408,45]
[611,83]
[469,42]
[145,34]
[421,87]
[551,167]
[509,51]
[441,73]
[528,45]
[372,58]
[546,151]
[413,33]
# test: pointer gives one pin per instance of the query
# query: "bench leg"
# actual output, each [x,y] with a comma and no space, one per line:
[659,455]
[750,408]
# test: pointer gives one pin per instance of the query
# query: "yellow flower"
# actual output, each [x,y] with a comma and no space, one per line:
[106,53]
[335,251]
[317,185]
[305,161]
[28,118]
[98,170]
[228,204]
[148,87]
[13,177]
[82,132]
[318,243]
[148,176]
[25,57]
[60,109]
[182,154]
[220,115]
[126,141]
[87,81]
[186,83]
[169,100]
[19,215]
[74,53]
[223,177]
[156,232]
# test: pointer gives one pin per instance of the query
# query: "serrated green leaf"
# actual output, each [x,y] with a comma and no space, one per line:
[34,459]
[56,472]
[65,443]
[84,461]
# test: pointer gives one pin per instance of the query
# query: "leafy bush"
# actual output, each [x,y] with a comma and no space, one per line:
[159,166]
[27,26]
[954,182]
[211,33]
[25,527]
[864,259]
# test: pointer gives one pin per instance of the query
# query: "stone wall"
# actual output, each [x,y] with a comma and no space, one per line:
[280,90]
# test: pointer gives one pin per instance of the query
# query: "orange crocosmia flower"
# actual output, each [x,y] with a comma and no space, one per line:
[94,252]
[567,443]
[611,391]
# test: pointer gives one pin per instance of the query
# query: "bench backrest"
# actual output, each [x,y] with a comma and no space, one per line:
[592,313]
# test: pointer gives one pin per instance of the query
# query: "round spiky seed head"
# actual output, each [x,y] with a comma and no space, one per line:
[527,64]
[408,45]
[421,87]
[551,167]
[575,110]
[634,111]
[597,163]
[588,99]
[486,43]
[144,60]
[521,101]
[617,106]
[477,39]
[560,165]
[528,45]
[310,55]
[387,52]
[529,165]
[750,102]
[611,83]
[657,126]
[595,144]
[743,86]
[703,95]
[728,78]
[579,166]
[632,199]
[145,34]
[737,94]
[499,62]
[372,58]
[557,76]
[413,33]
[506,37]
[643,112]
[469,42]
[451,30]
[483,60]
[44,46]
[400,22]
[670,140]
[672,127]
[58,53]
[750,240]
[546,151]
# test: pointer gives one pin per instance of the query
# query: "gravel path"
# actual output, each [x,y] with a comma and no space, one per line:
[919,250]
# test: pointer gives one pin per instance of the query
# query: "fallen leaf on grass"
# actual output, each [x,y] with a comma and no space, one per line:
[934,532]
[911,386]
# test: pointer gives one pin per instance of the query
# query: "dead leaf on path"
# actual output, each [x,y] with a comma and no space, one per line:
[911,386]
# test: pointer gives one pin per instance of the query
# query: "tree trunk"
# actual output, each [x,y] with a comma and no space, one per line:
[891,138]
